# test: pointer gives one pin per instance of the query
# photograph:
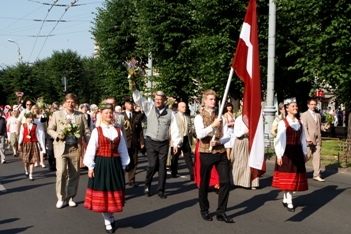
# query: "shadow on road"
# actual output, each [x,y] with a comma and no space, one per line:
[151,217]
[314,201]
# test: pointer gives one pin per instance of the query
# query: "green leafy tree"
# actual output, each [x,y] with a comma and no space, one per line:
[319,43]
[115,33]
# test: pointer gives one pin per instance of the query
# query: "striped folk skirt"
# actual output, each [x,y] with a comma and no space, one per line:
[106,191]
[291,176]
[241,170]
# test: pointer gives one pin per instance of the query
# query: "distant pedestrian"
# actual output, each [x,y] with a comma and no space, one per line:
[29,145]
[3,133]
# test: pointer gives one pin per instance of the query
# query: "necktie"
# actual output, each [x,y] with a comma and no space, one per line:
[130,115]
[314,116]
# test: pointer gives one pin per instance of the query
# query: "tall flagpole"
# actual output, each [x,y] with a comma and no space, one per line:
[224,98]
[269,109]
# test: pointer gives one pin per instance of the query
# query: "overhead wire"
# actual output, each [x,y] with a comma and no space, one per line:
[72,3]
[36,39]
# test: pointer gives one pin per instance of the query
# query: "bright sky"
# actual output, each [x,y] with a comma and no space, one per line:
[22,21]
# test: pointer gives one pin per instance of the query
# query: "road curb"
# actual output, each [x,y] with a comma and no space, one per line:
[323,167]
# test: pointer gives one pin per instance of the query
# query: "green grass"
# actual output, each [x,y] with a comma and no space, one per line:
[329,154]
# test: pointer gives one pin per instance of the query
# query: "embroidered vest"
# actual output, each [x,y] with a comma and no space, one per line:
[292,136]
[31,133]
[106,147]
[205,142]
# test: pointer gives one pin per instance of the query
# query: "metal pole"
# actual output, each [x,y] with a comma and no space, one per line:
[223,103]
[149,72]
[270,110]
[18,50]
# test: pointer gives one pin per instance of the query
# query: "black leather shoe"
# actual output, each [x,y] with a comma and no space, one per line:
[206,216]
[225,218]
[162,195]
[147,191]
[285,204]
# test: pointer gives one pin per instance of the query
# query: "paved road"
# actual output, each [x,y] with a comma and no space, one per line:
[29,207]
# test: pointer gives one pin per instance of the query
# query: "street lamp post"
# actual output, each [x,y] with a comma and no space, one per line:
[18,50]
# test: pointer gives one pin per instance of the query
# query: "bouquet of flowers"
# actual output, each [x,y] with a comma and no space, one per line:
[70,129]
[329,120]
[134,68]
[171,101]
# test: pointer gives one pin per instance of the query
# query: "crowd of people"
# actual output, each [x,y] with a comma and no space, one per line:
[106,140]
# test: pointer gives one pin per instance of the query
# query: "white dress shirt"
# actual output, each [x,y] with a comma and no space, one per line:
[202,132]
[146,106]
[111,133]
[280,142]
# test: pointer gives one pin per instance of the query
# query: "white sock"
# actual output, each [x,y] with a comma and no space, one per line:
[289,199]
[107,219]
[284,197]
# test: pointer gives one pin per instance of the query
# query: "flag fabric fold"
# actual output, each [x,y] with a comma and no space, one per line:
[246,64]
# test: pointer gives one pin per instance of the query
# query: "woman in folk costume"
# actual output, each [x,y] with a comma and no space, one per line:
[28,144]
[240,156]
[39,120]
[291,150]
[106,158]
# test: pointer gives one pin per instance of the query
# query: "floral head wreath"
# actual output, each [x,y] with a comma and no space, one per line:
[29,115]
[104,106]
[289,100]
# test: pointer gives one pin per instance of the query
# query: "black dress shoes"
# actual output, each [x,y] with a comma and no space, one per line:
[285,204]
[147,191]
[206,216]
[162,195]
[225,218]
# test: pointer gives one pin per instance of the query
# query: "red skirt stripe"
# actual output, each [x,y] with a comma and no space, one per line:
[104,201]
[290,181]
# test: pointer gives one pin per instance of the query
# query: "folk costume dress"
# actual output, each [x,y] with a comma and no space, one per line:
[29,136]
[240,154]
[291,147]
[107,154]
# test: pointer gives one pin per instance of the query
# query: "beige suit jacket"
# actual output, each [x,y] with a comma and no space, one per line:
[180,123]
[312,127]
[55,128]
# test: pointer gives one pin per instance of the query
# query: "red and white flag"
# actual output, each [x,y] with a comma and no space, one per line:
[246,64]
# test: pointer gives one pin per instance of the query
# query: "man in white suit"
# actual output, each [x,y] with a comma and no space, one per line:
[67,150]
[183,123]
[312,124]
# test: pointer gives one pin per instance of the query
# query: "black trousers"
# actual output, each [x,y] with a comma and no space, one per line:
[156,152]
[186,149]
[221,163]
[133,156]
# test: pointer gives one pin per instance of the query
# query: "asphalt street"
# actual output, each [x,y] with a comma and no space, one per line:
[29,206]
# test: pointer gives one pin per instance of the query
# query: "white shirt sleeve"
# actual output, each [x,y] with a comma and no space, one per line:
[280,142]
[239,127]
[177,139]
[123,151]
[89,157]
[20,138]
[202,132]
[145,105]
